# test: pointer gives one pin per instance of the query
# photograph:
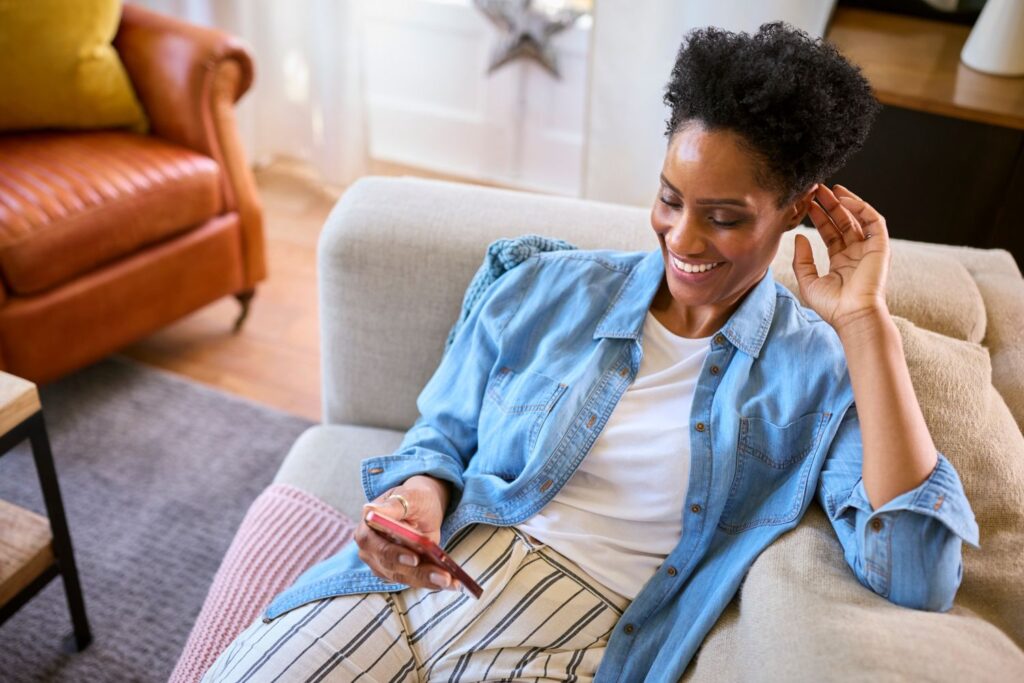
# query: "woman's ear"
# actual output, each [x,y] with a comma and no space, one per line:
[798,209]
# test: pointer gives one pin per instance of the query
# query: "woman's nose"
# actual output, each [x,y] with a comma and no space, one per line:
[685,236]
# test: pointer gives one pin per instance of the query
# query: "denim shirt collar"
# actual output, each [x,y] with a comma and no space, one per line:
[747,328]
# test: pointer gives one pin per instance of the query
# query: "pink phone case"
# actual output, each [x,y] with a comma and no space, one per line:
[404,534]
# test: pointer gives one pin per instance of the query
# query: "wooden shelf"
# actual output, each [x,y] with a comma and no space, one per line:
[26,548]
[915,64]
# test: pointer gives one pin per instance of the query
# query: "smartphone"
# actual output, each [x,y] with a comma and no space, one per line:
[405,535]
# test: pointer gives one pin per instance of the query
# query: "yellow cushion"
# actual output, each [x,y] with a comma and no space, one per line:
[58,68]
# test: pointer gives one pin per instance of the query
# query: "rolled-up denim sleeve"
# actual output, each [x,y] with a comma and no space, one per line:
[908,550]
[444,436]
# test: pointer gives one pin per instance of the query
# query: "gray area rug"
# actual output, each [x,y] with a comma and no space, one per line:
[156,474]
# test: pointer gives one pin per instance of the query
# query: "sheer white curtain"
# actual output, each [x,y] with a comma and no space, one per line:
[307,100]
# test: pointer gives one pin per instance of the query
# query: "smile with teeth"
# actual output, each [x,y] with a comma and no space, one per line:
[688,268]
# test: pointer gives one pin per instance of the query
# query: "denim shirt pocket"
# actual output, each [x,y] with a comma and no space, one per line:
[516,406]
[772,471]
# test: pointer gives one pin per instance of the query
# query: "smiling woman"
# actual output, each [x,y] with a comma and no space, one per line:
[755,123]
[613,438]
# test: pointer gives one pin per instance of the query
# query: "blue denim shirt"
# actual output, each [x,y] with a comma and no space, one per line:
[532,377]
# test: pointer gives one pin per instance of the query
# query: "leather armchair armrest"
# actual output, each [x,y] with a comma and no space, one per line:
[188,79]
[179,71]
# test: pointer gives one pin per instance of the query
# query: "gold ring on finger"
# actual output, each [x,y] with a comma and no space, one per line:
[403,501]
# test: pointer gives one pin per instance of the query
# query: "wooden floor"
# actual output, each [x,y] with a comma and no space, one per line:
[275,359]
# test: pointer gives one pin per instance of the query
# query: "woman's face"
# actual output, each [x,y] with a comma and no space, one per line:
[711,215]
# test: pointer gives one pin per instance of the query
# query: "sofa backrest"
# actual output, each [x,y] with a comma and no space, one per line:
[395,258]
[396,255]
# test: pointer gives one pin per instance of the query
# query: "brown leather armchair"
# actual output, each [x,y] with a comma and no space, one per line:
[106,236]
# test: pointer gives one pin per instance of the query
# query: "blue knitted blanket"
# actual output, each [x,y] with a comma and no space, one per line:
[502,255]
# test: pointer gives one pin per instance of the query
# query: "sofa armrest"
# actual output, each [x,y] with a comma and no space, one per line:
[188,79]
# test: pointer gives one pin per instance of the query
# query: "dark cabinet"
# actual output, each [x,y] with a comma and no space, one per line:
[940,179]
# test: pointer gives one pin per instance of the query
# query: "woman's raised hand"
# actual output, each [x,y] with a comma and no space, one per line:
[427,498]
[858,251]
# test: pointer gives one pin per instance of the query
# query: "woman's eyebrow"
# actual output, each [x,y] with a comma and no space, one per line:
[730,202]
[672,187]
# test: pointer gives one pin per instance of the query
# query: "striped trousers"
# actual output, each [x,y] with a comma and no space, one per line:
[540,618]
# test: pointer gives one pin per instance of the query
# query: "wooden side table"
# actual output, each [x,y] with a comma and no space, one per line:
[34,550]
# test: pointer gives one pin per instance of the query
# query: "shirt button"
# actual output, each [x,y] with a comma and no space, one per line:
[591,421]
[876,524]
[719,339]
[672,571]
[714,369]
[545,486]
[628,628]
[700,426]
[695,508]
[376,470]
[623,372]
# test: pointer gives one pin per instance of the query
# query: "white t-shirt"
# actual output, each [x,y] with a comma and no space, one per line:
[620,514]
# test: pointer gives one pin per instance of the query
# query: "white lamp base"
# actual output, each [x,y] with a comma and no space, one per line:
[996,43]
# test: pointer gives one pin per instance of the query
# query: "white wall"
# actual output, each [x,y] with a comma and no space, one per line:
[406,81]
[633,48]
[432,104]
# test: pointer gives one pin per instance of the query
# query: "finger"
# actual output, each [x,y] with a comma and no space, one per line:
[803,263]
[390,561]
[843,189]
[377,548]
[389,507]
[425,575]
[849,225]
[826,228]
[844,221]
[872,222]
[396,563]
[371,560]
[432,576]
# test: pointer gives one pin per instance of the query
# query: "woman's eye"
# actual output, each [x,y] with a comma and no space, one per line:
[668,202]
[725,224]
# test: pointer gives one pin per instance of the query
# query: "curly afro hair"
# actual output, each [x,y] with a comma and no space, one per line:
[797,104]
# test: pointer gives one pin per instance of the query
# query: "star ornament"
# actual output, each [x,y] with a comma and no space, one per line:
[527,31]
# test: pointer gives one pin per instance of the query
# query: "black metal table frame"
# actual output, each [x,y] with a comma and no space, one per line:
[33,428]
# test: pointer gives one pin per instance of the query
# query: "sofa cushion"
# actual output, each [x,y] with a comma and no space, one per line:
[800,598]
[999,280]
[970,423]
[70,202]
[60,70]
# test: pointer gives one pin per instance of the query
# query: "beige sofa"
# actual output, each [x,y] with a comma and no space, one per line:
[395,258]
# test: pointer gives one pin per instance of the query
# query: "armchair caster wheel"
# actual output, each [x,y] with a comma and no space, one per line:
[244,298]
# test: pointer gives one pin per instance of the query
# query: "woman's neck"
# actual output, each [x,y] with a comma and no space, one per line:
[690,322]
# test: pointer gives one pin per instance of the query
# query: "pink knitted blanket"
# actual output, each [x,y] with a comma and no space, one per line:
[285,531]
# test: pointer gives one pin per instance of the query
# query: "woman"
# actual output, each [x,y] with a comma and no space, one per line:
[613,437]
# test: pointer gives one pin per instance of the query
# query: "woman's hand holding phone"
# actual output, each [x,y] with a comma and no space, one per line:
[427,498]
